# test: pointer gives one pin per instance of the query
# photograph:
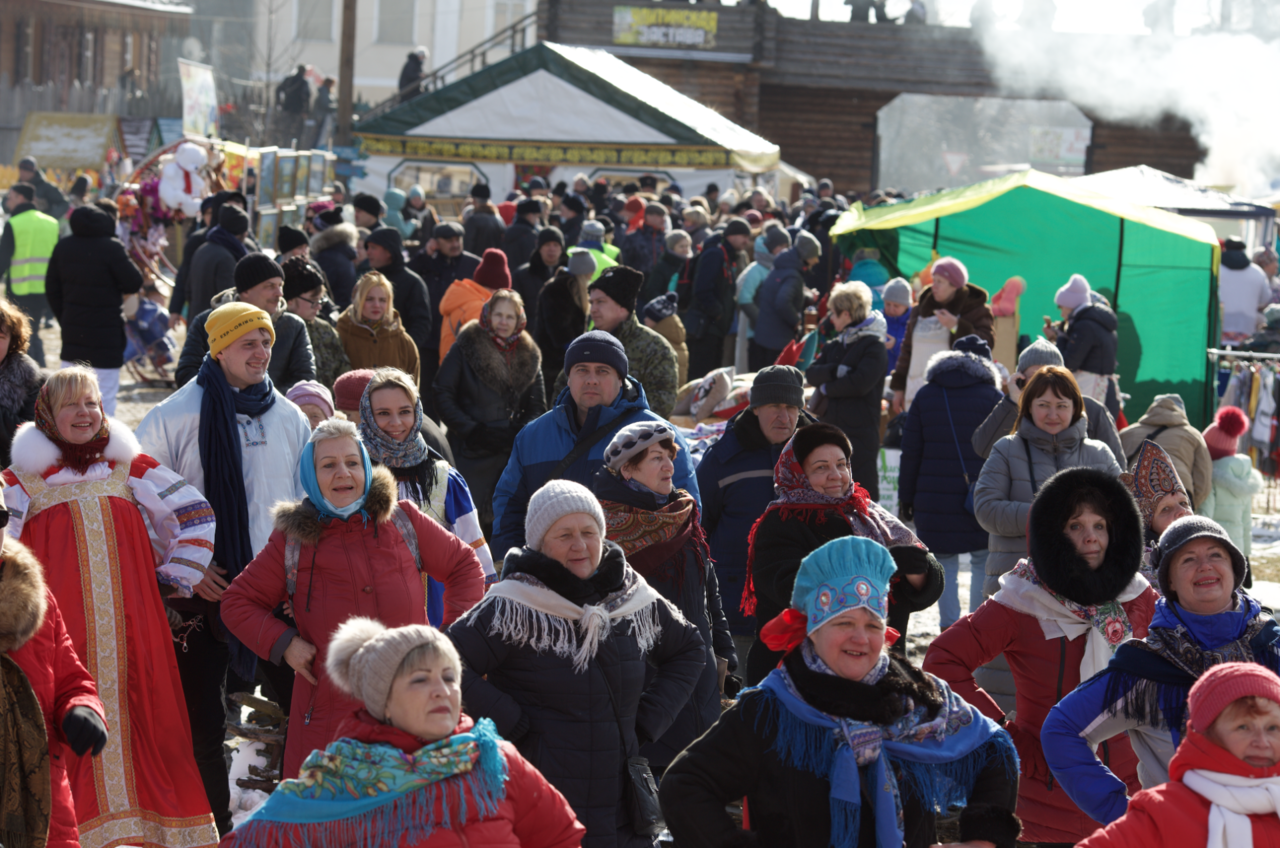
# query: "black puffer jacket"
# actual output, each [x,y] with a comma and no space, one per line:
[484,399]
[853,399]
[790,807]
[88,278]
[1089,341]
[688,580]
[20,382]
[483,230]
[563,721]
[528,279]
[560,321]
[334,250]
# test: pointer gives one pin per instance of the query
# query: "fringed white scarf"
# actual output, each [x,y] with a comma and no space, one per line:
[528,613]
[1233,799]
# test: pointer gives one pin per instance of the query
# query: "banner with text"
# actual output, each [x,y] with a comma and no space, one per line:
[644,26]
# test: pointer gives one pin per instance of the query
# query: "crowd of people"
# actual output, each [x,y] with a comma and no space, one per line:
[425,483]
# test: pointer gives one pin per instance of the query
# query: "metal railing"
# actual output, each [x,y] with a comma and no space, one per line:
[512,38]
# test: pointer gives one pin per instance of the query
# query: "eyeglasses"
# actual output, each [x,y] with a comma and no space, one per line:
[309,301]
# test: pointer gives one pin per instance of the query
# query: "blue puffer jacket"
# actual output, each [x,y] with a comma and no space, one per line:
[548,439]
[781,302]
[736,478]
[931,477]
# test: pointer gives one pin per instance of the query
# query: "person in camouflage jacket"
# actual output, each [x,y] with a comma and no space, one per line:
[304,292]
[652,360]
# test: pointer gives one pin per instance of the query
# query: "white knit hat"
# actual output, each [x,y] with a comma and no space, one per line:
[553,502]
[1074,294]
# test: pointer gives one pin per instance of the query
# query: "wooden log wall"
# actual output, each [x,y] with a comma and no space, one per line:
[824,131]
[1167,146]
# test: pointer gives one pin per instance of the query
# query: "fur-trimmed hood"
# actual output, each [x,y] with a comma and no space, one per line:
[957,368]
[23,600]
[333,236]
[18,375]
[301,521]
[1053,556]
[491,366]
[33,452]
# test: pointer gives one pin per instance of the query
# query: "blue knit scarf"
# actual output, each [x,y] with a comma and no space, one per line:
[937,760]
[223,466]
[362,795]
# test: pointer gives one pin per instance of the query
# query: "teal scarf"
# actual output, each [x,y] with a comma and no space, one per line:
[359,795]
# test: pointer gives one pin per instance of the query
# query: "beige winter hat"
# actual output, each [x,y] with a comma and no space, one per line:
[365,655]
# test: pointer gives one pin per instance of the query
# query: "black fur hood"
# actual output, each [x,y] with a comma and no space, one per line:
[1053,556]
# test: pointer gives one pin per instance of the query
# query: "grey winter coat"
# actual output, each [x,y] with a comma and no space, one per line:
[291,358]
[1002,502]
[1000,422]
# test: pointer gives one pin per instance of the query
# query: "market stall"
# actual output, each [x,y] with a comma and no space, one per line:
[1158,269]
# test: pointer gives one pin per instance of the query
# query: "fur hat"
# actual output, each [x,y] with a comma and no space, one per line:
[574,204]
[554,501]
[23,597]
[1188,529]
[808,439]
[1151,478]
[1221,684]
[364,656]
[1039,352]
[635,439]
[1223,435]
[620,283]
[1053,556]
[843,574]
[1074,294]
[529,206]
[481,191]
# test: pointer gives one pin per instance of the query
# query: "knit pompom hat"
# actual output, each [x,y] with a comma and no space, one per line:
[1074,294]
[553,502]
[1223,435]
[843,574]
[1214,691]
[364,656]
[493,272]
[635,439]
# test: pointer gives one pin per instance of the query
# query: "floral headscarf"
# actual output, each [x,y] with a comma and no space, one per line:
[505,344]
[79,458]
[386,450]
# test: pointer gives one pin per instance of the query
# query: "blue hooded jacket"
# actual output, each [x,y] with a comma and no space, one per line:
[548,439]
[781,302]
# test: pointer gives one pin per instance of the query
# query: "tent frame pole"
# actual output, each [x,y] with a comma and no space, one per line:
[1115,300]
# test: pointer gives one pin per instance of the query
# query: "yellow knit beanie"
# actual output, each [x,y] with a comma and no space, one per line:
[231,321]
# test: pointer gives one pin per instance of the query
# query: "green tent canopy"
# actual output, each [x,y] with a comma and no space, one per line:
[1159,270]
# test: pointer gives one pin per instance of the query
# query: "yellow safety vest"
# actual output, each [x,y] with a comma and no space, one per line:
[34,236]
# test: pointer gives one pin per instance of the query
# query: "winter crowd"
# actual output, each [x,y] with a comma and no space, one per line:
[414,466]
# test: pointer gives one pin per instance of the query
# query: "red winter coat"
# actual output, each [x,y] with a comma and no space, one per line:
[49,661]
[345,569]
[532,815]
[1045,670]
[1173,815]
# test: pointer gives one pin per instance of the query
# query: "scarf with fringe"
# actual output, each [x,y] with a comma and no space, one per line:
[362,795]
[526,612]
[1106,625]
[79,458]
[937,759]
[1150,679]
[654,540]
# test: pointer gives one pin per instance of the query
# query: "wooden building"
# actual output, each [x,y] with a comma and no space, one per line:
[814,87]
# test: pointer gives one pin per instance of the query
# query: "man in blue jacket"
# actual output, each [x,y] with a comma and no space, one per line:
[600,400]
[736,477]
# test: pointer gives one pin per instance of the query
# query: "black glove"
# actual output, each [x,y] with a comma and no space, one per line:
[478,438]
[733,685]
[910,559]
[85,730]
[906,512]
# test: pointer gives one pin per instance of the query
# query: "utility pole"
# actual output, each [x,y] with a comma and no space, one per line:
[346,71]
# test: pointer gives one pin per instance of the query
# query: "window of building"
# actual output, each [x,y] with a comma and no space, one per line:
[315,20]
[395,21]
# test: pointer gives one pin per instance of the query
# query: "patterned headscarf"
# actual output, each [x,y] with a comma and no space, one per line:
[79,458]
[1151,478]
[505,344]
[386,450]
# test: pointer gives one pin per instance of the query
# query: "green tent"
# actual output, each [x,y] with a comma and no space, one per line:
[1159,270]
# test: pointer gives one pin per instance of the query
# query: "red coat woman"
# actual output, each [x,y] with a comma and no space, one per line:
[1057,618]
[344,567]
[34,636]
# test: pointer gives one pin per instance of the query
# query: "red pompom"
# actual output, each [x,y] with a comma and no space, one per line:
[1232,421]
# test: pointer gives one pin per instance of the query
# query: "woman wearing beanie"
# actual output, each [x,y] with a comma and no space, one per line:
[659,528]
[1086,335]
[314,400]
[1050,437]
[371,331]
[849,374]
[817,501]
[1235,480]
[349,548]
[488,387]
[950,309]
[305,293]
[463,299]
[660,316]
[845,743]
[409,769]
[1224,781]
[563,309]
[77,493]
[578,660]
[1203,620]
[1162,499]
[1058,619]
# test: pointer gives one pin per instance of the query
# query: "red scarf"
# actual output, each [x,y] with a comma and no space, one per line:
[79,458]
[796,498]
[506,345]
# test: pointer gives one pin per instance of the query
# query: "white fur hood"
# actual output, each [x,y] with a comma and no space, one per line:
[33,452]
[957,360]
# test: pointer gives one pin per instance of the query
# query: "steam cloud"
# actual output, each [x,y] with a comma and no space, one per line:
[1220,83]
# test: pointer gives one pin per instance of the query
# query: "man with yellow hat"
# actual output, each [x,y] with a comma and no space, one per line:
[238,441]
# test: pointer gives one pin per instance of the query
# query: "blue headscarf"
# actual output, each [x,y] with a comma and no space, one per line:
[307,471]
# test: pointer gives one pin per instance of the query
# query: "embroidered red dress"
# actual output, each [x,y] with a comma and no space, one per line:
[104,568]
